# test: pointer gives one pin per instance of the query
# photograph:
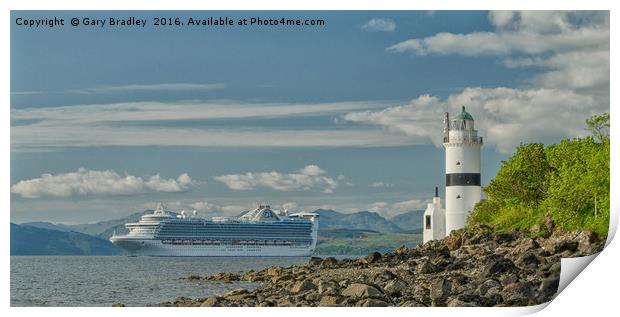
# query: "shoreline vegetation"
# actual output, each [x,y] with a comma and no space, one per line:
[568,181]
[546,203]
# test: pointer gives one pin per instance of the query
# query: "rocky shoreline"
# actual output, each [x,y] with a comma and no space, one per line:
[473,267]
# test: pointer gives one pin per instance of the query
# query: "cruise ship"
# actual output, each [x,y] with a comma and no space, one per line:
[258,232]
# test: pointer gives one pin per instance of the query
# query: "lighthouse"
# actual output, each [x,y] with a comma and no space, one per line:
[434,220]
[462,144]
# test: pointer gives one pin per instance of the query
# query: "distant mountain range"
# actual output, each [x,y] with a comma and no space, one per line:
[28,240]
[366,220]
[409,221]
[92,239]
[103,229]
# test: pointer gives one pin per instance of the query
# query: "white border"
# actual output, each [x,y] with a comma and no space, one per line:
[592,292]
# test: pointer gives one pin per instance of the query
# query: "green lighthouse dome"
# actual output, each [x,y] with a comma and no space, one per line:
[463,115]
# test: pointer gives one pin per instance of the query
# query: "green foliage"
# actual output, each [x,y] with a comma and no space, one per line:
[599,126]
[569,180]
[579,183]
[524,178]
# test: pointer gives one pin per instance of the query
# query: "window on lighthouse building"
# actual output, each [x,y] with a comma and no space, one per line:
[428,222]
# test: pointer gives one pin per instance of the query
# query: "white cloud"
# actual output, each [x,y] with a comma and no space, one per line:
[290,206]
[207,208]
[520,32]
[379,207]
[408,205]
[505,116]
[204,206]
[390,210]
[587,69]
[156,111]
[571,48]
[85,182]
[110,124]
[162,87]
[384,25]
[381,184]
[309,178]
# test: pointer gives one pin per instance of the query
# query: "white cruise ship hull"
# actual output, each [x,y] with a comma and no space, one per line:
[153,247]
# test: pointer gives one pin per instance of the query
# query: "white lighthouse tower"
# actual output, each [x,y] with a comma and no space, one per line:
[463,190]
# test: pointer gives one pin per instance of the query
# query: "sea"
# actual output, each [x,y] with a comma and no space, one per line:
[133,281]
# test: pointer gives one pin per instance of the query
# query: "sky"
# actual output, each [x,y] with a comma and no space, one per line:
[106,122]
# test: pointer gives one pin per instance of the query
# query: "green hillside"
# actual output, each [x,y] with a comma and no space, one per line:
[376,242]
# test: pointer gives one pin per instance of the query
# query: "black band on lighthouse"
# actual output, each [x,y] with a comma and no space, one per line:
[463,179]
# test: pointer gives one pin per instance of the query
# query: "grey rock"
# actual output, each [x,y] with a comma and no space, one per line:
[326,286]
[548,288]
[371,302]
[395,287]
[329,300]
[281,278]
[210,302]
[459,303]
[485,286]
[266,303]
[358,290]
[440,290]
[329,262]
[312,297]
[527,258]
[401,250]
[411,303]
[497,266]
[427,267]
[315,260]
[302,286]
[525,245]
[372,258]
[384,275]
[518,293]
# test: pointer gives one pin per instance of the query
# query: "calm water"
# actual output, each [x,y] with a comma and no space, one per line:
[134,281]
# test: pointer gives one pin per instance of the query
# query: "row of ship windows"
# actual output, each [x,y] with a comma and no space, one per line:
[233,231]
[235,228]
[228,237]
[236,243]
[228,231]
[179,225]
[209,233]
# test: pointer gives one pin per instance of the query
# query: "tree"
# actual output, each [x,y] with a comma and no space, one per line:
[523,178]
[570,180]
[580,181]
[599,126]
